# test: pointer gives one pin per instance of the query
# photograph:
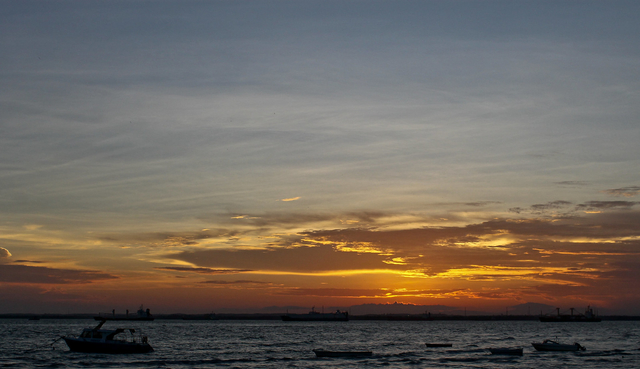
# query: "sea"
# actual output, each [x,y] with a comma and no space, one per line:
[278,344]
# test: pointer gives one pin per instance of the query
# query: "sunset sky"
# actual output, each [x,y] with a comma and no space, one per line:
[199,156]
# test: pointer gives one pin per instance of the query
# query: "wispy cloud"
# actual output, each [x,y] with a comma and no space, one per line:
[598,205]
[203,270]
[238,282]
[630,191]
[10,273]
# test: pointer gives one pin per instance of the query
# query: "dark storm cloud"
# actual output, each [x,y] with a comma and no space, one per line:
[44,275]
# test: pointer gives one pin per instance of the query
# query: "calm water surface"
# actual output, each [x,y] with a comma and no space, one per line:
[276,344]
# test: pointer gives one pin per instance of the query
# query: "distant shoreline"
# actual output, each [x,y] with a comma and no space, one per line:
[389,317]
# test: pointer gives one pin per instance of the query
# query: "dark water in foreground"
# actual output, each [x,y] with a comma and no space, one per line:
[276,344]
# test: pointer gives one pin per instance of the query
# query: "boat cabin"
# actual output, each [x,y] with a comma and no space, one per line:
[108,335]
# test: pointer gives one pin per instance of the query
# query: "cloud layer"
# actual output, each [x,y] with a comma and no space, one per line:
[300,151]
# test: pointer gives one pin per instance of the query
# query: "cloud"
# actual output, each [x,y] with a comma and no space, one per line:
[558,204]
[44,275]
[4,253]
[482,203]
[502,248]
[304,259]
[171,239]
[203,270]
[599,205]
[28,261]
[368,293]
[539,209]
[572,183]
[239,282]
[630,191]
[291,199]
[32,227]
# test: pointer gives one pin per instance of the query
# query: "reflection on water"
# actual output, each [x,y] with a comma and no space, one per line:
[276,344]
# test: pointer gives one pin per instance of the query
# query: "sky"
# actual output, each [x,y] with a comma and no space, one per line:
[204,156]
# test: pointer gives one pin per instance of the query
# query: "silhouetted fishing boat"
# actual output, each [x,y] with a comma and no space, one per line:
[325,353]
[314,316]
[549,345]
[106,341]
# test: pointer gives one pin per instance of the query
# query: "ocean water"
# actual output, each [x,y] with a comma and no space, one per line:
[276,344]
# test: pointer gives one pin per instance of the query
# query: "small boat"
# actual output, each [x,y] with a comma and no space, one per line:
[506,351]
[106,341]
[549,345]
[314,316]
[439,344]
[325,353]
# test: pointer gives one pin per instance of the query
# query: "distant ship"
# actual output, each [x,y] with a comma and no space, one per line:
[142,314]
[314,316]
[588,316]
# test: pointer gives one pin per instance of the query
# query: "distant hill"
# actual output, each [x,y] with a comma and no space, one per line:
[531,308]
[401,308]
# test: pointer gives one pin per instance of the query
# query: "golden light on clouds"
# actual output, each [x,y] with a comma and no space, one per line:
[291,199]
[32,227]
[4,253]
[499,272]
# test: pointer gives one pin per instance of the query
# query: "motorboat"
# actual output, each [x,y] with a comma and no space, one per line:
[116,341]
[326,353]
[439,344]
[549,345]
[506,351]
